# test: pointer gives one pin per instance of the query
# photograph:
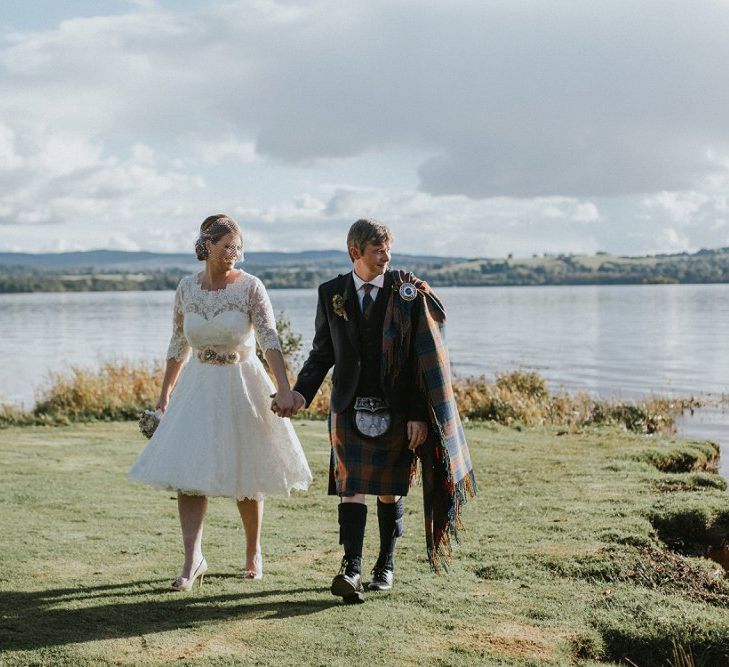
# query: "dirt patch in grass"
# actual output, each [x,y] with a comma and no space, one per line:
[186,652]
[493,572]
[154,649]
[515,639]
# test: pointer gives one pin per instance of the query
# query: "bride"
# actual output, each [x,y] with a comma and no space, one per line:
[217,436]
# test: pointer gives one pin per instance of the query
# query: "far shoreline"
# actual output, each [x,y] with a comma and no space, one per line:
[123,271]
[136,288]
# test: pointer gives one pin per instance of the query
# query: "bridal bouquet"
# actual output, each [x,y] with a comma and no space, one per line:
[149,421]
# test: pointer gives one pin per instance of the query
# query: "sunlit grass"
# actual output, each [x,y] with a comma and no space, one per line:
[560,562]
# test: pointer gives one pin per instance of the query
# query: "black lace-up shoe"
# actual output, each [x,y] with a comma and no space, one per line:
[382,578]
[348,583]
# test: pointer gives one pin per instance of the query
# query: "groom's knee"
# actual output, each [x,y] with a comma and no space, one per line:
[356,498]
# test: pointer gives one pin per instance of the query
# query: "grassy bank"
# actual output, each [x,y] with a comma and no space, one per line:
[580,548]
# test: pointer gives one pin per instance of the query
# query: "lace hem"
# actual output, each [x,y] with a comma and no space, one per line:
[268,340]
[262,317]
[178,350]
[252,495]
[178,347]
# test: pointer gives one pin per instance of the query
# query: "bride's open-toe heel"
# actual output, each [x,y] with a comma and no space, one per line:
[186,583]
[257,571]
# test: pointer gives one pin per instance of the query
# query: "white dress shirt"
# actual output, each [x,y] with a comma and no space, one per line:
[378,282]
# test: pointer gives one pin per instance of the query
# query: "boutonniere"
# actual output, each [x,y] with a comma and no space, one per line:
[338,302]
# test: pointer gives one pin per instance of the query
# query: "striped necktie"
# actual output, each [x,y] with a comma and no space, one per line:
[367,300]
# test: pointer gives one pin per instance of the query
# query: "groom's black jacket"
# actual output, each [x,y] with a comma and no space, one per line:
[355,351]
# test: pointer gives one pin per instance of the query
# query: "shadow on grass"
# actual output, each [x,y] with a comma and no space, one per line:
[41,619]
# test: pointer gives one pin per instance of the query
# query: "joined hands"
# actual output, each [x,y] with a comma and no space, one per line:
[287,403]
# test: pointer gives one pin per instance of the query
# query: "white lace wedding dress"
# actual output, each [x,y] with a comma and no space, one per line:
[218,436]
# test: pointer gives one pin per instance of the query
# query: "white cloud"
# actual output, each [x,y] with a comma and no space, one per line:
[673,239]
[538,127]
[585,212]
[688,219]
[216,151]
[454,225]
[145,4]
[143,154]
[9,158]
[66,178]
[422,223]
[512,98]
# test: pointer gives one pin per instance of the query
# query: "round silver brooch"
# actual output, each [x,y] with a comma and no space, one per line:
[408,291]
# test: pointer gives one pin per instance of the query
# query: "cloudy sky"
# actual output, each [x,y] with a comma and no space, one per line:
[471,127]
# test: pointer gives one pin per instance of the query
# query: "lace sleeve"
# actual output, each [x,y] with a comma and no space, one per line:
[261,314]
[178,347]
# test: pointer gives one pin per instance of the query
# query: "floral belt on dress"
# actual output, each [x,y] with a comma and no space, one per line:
[209,355]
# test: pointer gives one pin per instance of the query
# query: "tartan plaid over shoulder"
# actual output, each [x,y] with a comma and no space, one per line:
[447,472]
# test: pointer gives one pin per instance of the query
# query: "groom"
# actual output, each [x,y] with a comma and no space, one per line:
[380,330]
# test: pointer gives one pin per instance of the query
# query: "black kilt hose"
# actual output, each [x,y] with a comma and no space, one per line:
[382,466]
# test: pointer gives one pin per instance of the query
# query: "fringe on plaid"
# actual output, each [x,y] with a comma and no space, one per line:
[446,470]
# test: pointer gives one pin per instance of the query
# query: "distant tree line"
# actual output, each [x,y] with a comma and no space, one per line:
[705,266]
[48,282]
[702,267]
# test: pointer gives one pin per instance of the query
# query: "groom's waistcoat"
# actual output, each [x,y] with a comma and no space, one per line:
[370,342]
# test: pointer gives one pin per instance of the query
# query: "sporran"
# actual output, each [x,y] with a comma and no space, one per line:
[372,416]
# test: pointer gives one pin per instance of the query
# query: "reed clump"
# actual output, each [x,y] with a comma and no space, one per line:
[522,397]
[117,391]
[123,390]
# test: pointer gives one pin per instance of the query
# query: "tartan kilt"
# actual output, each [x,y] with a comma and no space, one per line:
[382,466]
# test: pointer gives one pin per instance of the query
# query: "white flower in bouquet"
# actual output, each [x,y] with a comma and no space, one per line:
[149,421]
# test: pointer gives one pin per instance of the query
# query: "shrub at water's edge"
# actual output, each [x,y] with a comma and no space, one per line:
[521,397]
[123,390]
[116,392]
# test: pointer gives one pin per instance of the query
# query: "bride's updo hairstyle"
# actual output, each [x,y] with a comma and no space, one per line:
[214,228]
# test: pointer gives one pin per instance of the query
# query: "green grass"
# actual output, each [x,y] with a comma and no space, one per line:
[560,563]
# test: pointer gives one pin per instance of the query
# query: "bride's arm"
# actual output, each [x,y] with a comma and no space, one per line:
[177,352]
[264,324]
[172,372]
[284,397]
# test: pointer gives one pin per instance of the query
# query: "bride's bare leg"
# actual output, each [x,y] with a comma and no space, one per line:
[251,512]
[192,515]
